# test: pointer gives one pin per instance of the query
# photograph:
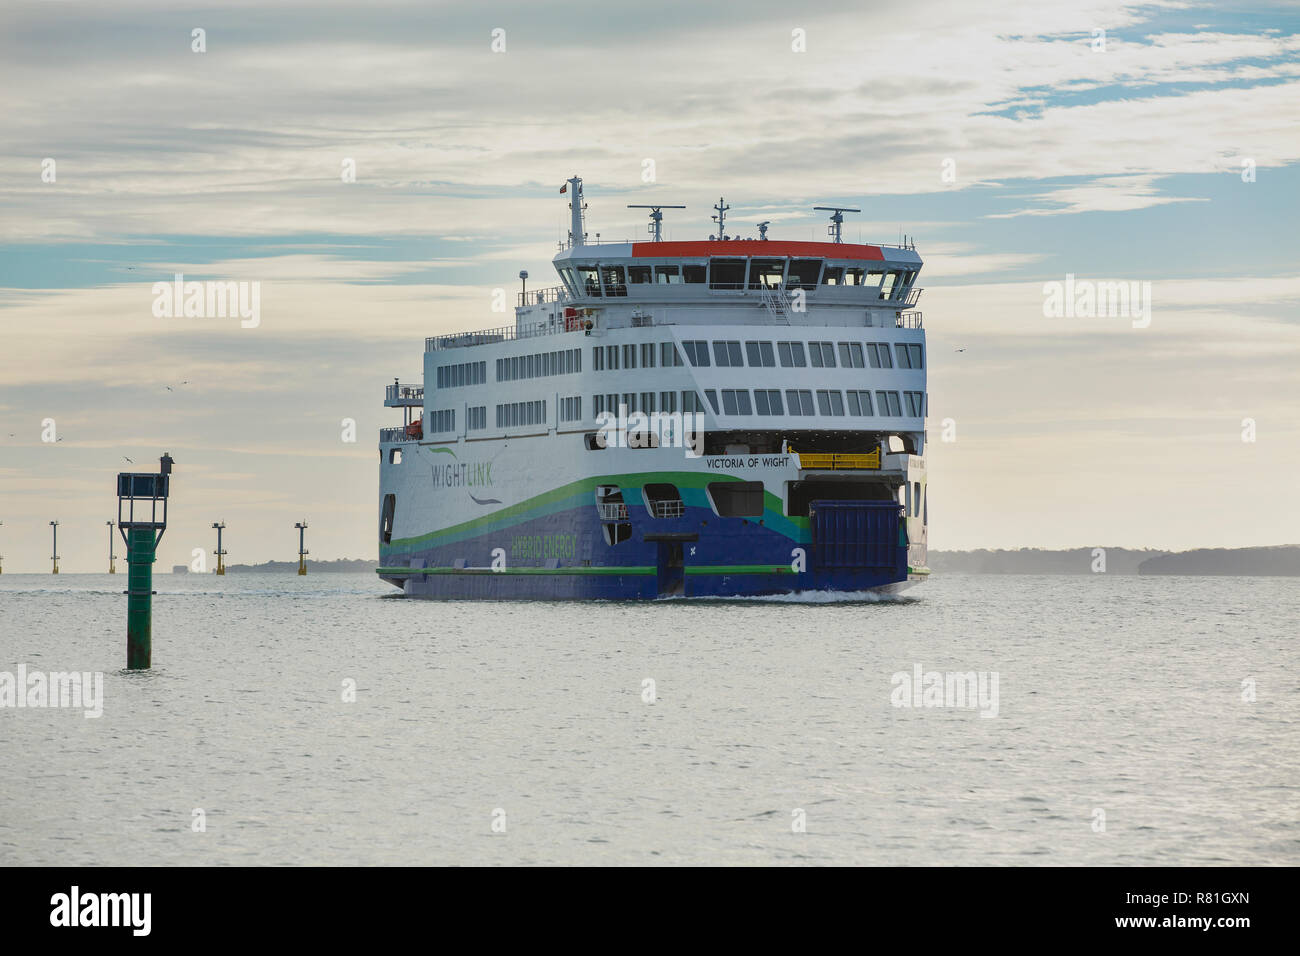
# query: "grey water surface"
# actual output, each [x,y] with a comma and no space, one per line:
[772,735]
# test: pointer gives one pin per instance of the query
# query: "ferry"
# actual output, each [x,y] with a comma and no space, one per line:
[722,417]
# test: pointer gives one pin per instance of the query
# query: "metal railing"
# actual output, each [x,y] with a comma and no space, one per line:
[404,393]
[612,510]
[668,508]
[836,461]
[555,293]
[908,320]
[508,333]
[395,434]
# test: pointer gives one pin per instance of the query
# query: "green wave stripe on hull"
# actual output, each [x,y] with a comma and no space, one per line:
[631,569]
[576,494]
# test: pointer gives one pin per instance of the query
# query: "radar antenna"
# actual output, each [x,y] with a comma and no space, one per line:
[837,219]
[762,228]
[721,217]
[656,227]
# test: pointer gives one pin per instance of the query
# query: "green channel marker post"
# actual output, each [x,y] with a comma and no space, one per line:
[141,535]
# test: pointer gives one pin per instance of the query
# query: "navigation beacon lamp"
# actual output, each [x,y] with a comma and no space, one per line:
[221,567]
[141,534]
[302,552]
[54,556]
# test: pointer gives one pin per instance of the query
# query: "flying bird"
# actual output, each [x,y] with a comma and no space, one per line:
[124,458]
[959,350]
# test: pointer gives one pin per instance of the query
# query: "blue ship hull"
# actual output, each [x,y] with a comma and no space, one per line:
[566,555]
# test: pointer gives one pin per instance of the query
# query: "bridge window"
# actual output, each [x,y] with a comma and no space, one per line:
[760,354]
[668,356]
[726,274]
[887,404]
[697,352]
[822,354]
[874,279]
[859,402]
[692,273]
[612,279]
[737,499]
[727,355]
[799,401]
[888,285]
[791,354]
[768,401]
[878,355]
[589,279]
[854,275]
[638,275]
[667,275]
[804,273]
[833,275]
[766,273]
[735,401]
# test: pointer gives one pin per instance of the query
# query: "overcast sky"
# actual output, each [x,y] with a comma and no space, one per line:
[1120,163]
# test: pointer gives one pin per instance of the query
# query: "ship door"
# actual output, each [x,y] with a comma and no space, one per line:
[672,568]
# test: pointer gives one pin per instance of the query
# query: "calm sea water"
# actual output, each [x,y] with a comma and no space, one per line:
[1115,694]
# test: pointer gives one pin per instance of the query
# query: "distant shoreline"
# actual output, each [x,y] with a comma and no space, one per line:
[1274,561]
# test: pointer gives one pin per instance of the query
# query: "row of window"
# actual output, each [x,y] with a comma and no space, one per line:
[539,365]
[768,401]
[571,409]
[596,279]
[725,354]
[728,354]
[466,373]
[614,357]
[442,420]
[476,418]
[513,414]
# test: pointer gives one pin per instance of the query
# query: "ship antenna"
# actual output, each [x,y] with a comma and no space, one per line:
[721,217]
[762,228]
[837,219]
[656,227]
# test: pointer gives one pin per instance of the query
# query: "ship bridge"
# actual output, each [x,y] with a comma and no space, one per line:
[724,279]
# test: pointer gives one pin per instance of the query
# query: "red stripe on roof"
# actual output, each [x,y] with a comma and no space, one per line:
[759,247]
